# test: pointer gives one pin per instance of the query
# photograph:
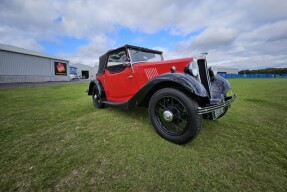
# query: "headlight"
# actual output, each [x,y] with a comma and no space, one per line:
[213,71]
[193,68]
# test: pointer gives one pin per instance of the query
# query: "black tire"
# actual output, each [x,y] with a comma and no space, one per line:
[174,115]
[96,100]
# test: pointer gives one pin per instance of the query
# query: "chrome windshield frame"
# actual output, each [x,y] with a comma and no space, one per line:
[132,62]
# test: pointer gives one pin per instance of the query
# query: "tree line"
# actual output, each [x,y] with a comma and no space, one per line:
[265,71]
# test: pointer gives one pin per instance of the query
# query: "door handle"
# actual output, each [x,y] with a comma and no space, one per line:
[129,77]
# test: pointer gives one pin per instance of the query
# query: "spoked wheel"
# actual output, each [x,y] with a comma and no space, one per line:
[171,115]
[96,100]
[174,115]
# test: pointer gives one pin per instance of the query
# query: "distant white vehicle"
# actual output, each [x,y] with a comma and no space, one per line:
[73,76]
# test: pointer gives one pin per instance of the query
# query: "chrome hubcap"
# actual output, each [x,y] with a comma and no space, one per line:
[168,116]
[95,97]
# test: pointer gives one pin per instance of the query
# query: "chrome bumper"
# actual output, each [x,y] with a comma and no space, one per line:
[211,108]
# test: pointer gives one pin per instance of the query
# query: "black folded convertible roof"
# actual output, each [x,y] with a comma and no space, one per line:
[136,48]
[104,57]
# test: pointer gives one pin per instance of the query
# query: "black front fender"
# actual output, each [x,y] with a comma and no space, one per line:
[97,85]
[218,89]
[176,80]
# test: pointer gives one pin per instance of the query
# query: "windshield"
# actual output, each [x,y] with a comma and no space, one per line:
[142,56]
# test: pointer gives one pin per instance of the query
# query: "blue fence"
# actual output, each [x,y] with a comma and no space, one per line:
[253,75]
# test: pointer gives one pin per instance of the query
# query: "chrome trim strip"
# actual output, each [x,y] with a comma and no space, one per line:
[208,77]
[131,62]
[129,54]
[204,110]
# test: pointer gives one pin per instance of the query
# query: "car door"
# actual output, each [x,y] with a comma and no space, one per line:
[120,84]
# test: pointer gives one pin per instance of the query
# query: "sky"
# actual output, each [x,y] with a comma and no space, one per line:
[245,34]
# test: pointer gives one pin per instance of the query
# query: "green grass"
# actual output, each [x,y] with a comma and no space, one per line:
[52,139]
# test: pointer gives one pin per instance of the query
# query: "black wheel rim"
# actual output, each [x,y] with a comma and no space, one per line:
[170,105]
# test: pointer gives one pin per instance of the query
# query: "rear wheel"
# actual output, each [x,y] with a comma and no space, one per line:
[96,99]
[174,115]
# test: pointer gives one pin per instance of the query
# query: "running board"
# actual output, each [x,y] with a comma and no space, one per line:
[118,104]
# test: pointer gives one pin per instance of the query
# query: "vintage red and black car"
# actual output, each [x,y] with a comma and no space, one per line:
[178,93]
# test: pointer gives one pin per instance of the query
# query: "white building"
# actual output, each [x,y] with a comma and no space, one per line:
[85,71]
[23,65]
[226,70]
[96,67]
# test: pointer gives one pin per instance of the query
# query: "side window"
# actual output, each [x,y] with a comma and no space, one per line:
[116,60]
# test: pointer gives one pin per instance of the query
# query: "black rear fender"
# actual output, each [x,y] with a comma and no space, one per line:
[95,84]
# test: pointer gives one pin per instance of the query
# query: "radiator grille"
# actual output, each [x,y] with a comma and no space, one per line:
[204,74]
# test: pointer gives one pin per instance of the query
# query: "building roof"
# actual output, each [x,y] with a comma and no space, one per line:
[222,66]
[14,49]
[225,67]
[81,65]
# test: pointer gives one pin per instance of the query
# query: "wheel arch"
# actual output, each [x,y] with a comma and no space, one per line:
[98,85]
[182,82]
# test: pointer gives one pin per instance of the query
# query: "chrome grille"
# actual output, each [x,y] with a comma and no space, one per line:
[204,74]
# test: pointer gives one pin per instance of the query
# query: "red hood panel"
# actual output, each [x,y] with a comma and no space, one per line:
[150,70]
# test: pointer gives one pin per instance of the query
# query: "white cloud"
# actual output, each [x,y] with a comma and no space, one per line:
[242,33]
[267,32]
[12,36]
[89,54]
[213,38]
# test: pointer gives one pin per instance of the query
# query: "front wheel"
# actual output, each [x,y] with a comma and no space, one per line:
[174,115]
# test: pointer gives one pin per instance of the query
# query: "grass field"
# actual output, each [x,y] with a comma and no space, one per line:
[53,139]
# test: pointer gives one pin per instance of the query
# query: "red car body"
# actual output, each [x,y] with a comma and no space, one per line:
[115,84]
